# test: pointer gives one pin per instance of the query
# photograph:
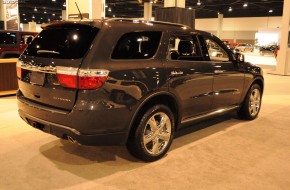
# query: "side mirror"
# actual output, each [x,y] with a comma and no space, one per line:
[240,57]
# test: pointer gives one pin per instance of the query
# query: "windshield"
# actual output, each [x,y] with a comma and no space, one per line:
[8,38]
[62,42]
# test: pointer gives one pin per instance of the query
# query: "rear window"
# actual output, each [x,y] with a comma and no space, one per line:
[62,42]
[8,38]
[137,45]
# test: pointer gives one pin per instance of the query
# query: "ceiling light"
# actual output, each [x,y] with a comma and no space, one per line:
[189,8]
[198,2]
[53,14]
[109,9]
[23,14]
[53,0]
[230,9]
[106,6]
[33,16]
[35,9]
[270,11]
[64,4]
[245,5]
[45,12]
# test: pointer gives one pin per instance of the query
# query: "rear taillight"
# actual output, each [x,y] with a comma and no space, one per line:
[67,76]
[18,69]
[87,79]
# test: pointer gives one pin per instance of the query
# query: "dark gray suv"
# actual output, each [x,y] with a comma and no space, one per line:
[122,81]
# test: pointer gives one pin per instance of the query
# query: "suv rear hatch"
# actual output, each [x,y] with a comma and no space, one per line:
[48,69]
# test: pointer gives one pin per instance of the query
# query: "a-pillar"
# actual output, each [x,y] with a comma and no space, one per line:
[92,9]
[283,59]
[147,11]
[220,25]
[174,3]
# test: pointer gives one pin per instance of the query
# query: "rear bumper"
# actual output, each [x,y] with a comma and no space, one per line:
[65,132]
[88,127]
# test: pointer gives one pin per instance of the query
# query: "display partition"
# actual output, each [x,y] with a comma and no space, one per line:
[8,77]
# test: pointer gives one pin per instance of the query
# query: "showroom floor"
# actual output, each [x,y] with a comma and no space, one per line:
[223,153]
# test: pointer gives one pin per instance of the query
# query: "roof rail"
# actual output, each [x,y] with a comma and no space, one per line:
[146,21]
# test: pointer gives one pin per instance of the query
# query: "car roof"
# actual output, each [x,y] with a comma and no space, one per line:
[124,22]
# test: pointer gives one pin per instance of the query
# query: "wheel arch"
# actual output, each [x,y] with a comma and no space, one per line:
[260,82]
[164,98]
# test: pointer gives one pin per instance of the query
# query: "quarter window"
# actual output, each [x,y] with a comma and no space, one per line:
[137,45]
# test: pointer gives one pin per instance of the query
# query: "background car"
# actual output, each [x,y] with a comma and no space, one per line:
[243,47]
[270,49]
[13,43]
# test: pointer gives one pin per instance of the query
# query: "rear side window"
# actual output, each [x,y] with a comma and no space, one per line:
[8,38]
[62,42]
[137,45]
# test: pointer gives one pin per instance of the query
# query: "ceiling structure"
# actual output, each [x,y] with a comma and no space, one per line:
[42,11]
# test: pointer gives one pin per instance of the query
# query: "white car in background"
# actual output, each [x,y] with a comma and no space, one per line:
[243,47]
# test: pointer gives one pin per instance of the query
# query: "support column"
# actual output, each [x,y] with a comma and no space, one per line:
[174,3]
[147,11]
[97,9]
[63,15]
[90,9]
[32,26]
[2,16]
[220,25]
[283,59]
[175,11]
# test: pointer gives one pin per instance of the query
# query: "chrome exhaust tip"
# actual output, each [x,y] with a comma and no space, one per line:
[72,140]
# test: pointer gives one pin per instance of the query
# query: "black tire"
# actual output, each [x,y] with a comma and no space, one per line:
[159,135]
[252,103]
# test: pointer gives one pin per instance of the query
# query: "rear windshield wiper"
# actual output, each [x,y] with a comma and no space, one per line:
[47,51]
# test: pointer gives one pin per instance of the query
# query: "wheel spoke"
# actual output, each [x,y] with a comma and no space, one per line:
[153,124]
[164,136]
[163,122]
[155,148]
[148,138]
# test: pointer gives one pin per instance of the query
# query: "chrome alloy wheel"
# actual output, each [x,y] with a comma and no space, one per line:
[255,102]
[157,133]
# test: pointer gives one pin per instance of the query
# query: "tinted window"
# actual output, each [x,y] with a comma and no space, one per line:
[8,38]
[26,38]
[137,45]
[184,47]
[216,52]
[64,43]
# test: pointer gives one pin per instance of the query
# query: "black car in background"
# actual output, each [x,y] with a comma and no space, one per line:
[122,81]
[270,49]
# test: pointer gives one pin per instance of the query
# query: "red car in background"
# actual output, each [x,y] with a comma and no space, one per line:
[13,43]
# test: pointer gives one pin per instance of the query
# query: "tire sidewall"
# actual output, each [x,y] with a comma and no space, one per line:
[141,150]
[245,111]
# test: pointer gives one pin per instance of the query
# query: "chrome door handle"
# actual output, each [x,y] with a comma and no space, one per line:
[176,73]
[219,71]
